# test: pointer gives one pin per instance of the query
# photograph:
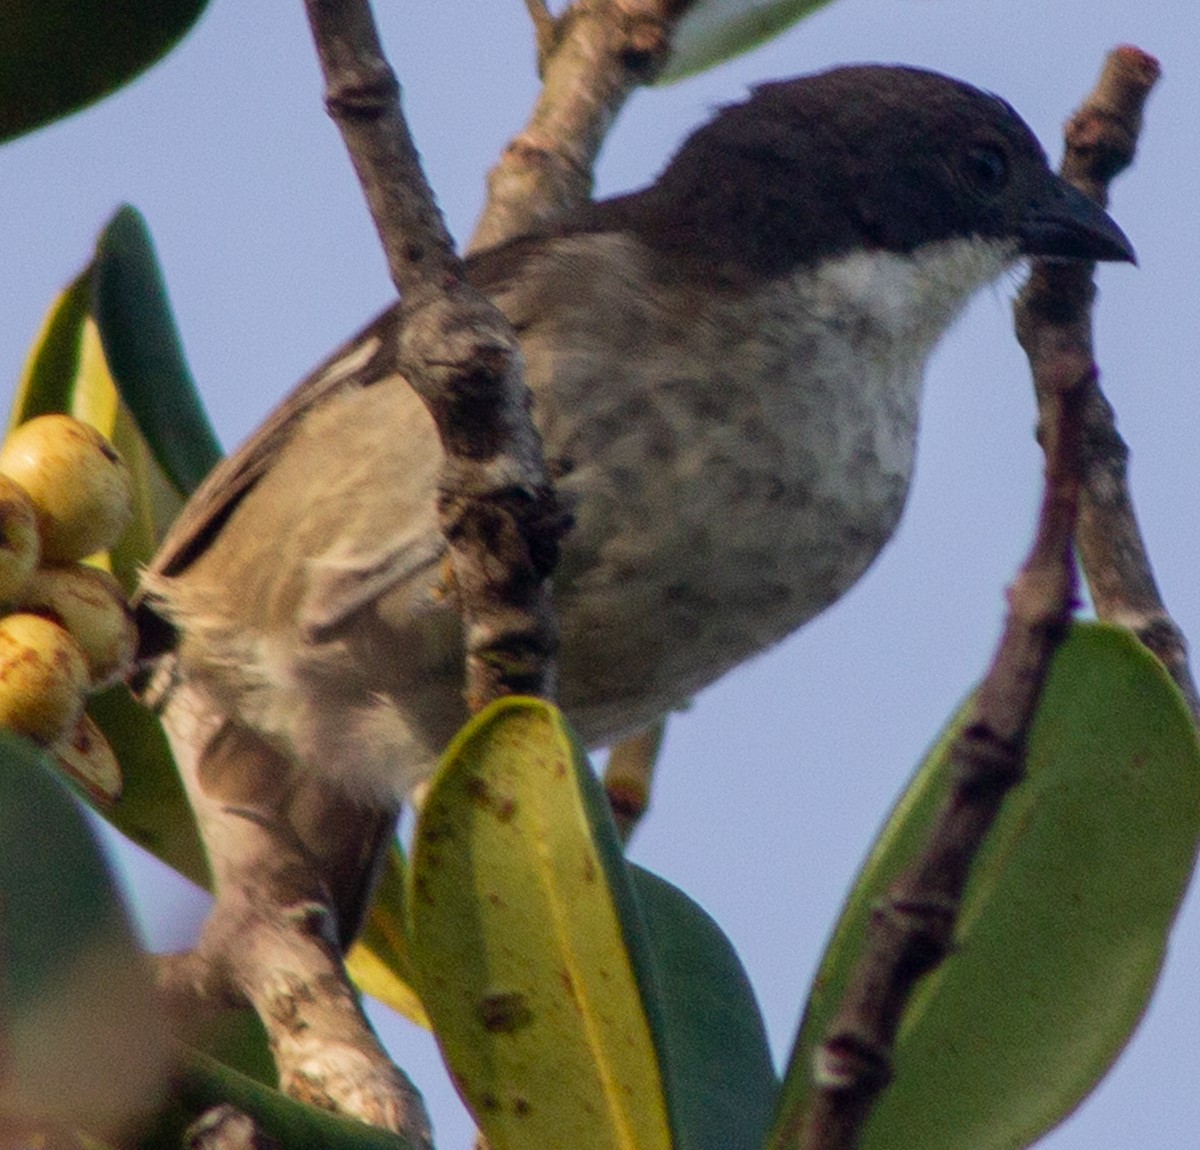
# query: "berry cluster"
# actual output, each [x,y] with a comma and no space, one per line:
[65,494]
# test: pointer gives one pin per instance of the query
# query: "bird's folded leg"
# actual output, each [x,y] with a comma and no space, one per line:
[293,861]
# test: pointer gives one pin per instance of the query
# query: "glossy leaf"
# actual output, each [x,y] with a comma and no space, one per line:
[202,1084]
[109,341]
[722,1086]
[711,31]
[48,378]
[153,810]
[56,56]
[1065,919]
[379,962]
[144,352]
[67,370]
[528,944]
[83,1042]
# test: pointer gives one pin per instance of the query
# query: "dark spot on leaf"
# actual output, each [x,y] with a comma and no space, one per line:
[436,829]
[480,792]
[505,809]
[504,1012]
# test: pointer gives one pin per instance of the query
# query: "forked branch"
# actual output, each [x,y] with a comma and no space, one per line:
[912,929]
[1053,315]
[495,503]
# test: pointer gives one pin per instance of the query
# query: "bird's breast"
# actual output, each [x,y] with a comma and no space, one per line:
[735,463]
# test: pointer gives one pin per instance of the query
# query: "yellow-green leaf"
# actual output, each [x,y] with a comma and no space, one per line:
[521,923]
[379,962]
[1064,922]
[67,371]
[48,378]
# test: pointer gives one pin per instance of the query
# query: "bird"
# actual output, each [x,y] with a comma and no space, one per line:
[726,369]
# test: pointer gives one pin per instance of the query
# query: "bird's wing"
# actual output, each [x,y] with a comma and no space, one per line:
[365,359]
[344,579]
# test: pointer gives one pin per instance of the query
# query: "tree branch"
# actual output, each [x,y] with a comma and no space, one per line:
[912,930]
[274,938]
[590,59]
[496,506]
[1053,316]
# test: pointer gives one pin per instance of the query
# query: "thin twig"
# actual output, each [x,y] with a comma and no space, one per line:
[912,930]
[1053,314]
[496,506]
[600,50]
[545,30]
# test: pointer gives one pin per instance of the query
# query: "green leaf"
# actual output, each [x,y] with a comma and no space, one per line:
[156,500]
[52,365]
[711,31]
[153,810]
[203,1083]
[1065,919]
[144,352]
[379,962]
[528,944]
[56,56]
[68,370]
[722,1086]
[83,1042]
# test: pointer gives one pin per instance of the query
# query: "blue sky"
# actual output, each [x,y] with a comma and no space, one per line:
[773,784]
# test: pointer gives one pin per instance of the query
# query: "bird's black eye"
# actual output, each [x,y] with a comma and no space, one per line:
[987,169]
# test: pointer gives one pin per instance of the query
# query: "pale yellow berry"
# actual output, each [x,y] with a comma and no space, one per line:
[43,677]
[79,485]
[85,756]
[20,544]
[91,605]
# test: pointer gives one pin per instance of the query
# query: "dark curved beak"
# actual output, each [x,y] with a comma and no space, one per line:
[1062,221]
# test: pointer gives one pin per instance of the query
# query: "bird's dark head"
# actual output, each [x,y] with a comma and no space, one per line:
[867,157]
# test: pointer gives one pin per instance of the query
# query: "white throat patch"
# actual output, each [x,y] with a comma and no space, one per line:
[912,298]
